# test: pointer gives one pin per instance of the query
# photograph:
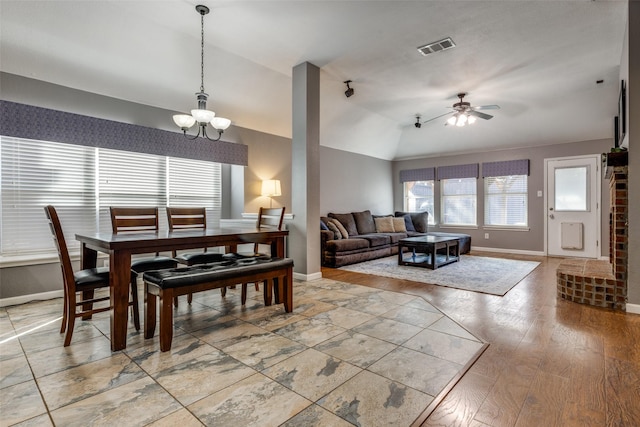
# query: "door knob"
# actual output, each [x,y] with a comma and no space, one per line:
[551,216]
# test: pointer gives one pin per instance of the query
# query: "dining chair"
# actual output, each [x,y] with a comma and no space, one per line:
[81,283]
[136,220]
[190,219]
[267,218]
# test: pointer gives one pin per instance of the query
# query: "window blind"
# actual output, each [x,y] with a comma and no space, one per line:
[196,184]
[38,173]
[506,200]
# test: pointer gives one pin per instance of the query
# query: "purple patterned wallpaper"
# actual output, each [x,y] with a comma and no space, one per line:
[29,122]
[505,168]
[424,174]
[458,171]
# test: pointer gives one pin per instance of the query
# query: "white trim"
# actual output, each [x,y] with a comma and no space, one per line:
[307,277]
[508,251]
[22,299]
[633,308]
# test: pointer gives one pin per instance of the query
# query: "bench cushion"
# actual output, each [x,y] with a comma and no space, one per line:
[177,277]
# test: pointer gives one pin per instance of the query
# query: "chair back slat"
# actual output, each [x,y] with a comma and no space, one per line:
[61,246]
[133,219]
[186,218]
[271,218]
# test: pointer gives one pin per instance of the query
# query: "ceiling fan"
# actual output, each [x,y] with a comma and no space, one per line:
[463,113]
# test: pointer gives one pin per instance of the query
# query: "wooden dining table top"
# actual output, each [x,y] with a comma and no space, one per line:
[140,242]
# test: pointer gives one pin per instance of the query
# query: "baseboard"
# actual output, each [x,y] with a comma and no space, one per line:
[508,251]
[307,277]
[22,299]
[633,308]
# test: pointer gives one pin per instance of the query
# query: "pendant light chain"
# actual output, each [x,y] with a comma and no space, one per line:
[201,52]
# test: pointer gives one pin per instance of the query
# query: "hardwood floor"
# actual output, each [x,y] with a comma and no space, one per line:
[549,363]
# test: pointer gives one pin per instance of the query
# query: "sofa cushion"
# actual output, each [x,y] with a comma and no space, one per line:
[347,245]
[364,222]
[347,222]
[376,239]
[384,224]
[395,237]
[398,225]
[420,220]
[336,233]
[343,231]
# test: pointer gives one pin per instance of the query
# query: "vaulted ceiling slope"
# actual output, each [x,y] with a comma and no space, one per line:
[538,60]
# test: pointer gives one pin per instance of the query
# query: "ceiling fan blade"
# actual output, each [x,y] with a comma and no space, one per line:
[486,107]
[437,117]
[480,115]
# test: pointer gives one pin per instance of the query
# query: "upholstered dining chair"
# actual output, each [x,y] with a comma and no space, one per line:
[135,220]
[190,219]
[81,283]
[267,218]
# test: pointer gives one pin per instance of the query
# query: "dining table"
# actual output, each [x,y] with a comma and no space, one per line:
[121,246]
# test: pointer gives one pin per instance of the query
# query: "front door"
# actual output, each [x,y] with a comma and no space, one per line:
[573,206]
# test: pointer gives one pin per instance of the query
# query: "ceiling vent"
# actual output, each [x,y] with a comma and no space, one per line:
[438,46]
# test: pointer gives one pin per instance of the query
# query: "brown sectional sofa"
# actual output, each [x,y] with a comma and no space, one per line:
[364,241]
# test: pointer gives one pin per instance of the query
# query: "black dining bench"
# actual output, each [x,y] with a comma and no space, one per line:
[174,282]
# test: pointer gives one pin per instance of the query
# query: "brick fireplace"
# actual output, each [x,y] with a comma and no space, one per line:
[603,283]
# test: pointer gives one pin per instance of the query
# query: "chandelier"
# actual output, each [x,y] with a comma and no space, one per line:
[201,115]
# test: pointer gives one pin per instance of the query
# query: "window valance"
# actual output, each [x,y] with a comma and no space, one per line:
[29,122]
[458,171]
[424,174]
[505,168]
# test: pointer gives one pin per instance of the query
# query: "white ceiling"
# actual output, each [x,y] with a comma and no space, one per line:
[538,60]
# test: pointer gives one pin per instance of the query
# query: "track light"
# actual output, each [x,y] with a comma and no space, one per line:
[349,90]
[418,124]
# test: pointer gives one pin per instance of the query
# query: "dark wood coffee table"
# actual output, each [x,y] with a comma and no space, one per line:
[428,251]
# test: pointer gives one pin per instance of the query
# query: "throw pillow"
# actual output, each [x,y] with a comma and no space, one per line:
[398,225]
[323,225]
[384,224]
[343,230]
[347,222]
[336,233]
[364,222]
[420,220]
[408,223]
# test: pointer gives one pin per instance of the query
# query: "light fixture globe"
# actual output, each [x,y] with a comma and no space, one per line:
[220,123]
[203,116]
[184,121]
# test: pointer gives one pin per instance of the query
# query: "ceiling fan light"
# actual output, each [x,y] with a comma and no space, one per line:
[452,120]
[184,121]
[471,120]
[220,123]
[203,116]
[462,120]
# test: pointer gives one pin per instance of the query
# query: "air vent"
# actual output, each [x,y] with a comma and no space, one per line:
[438,46]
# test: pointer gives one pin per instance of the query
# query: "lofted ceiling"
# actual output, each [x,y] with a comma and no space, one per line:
[538,60]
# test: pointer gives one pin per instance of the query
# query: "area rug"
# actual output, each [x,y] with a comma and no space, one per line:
[494,276]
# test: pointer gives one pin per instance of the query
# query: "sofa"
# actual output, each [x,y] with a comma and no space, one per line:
[349,238]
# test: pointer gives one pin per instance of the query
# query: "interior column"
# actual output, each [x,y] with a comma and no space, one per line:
[304,231]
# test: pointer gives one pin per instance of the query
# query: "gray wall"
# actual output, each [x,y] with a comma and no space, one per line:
[352,182]
[532,240]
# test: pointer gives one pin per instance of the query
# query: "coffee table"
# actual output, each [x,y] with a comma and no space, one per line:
[428,251]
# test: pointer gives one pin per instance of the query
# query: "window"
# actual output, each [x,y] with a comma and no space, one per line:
[505,202]
[458,205]
[80,181]
[418,197]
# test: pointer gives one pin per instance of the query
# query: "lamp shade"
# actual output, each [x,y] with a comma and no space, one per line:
[184,121]
[220,123]
[271,187]
[203,116]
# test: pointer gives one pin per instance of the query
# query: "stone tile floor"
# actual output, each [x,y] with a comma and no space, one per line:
[347,355]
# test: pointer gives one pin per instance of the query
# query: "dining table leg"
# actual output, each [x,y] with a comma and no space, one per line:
[119,279]
[88,259]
